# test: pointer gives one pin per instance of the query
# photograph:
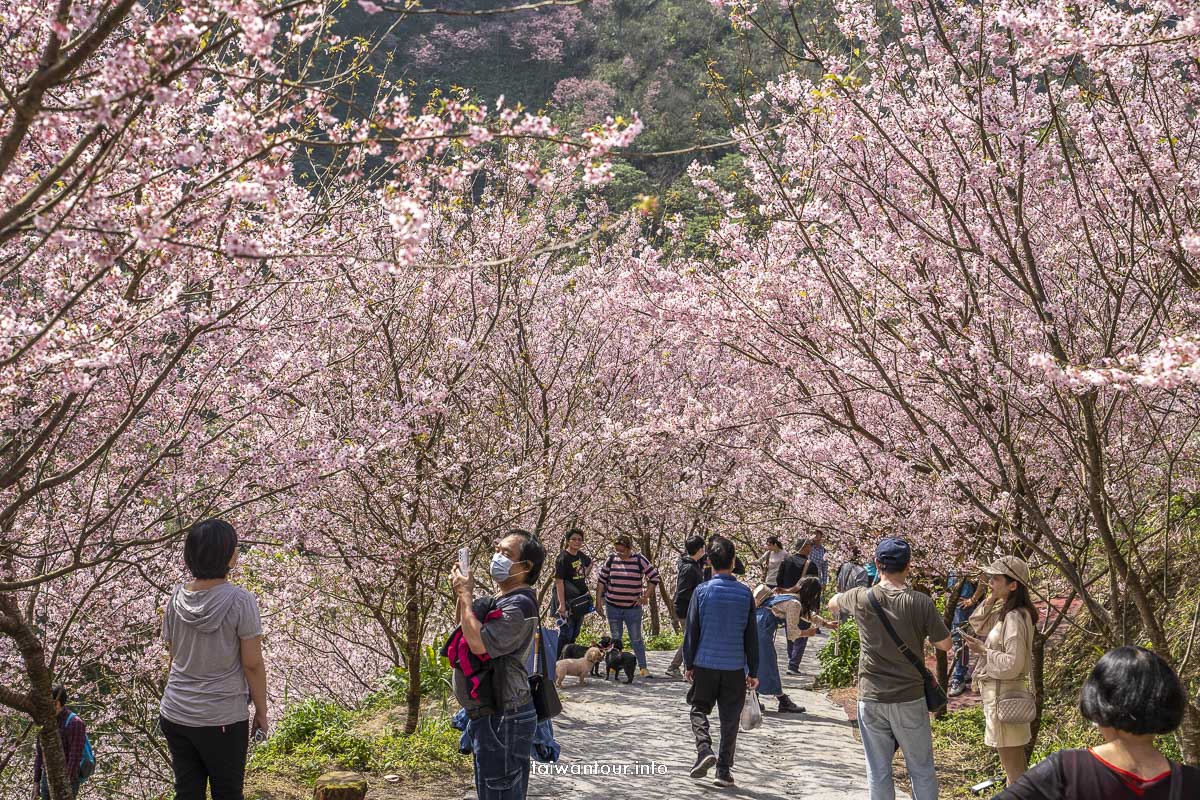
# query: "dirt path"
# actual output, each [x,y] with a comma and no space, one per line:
[644,729]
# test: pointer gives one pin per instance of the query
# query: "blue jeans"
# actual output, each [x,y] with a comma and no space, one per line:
[631,617]
[883,726]
[962,664]
[796,648]
[501,745]
[568,632]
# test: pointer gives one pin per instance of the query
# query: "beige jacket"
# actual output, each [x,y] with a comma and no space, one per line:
[1008,646]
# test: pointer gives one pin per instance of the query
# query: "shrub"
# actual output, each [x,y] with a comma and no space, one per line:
[839,658]
[436,674]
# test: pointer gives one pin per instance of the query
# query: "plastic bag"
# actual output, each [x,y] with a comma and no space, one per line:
[751,712]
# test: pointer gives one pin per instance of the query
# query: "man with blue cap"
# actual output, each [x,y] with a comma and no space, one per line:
[892,712]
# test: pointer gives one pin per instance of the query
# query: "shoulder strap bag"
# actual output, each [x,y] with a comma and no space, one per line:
[1018,706]
[1176,781]
[935,696]
[545,696]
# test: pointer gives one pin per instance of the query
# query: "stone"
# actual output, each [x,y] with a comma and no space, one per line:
[341,786]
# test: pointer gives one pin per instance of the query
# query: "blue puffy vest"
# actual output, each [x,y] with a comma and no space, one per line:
[724,605]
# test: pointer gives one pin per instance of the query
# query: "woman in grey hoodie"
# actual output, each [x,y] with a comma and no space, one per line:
[214,634]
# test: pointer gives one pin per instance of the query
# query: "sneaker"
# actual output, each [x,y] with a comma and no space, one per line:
[673,672]
[703,764]
[645,673]
[791,671]
[786,706]
[724,777]
[956,688]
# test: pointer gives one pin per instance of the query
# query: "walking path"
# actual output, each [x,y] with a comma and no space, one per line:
[606,727]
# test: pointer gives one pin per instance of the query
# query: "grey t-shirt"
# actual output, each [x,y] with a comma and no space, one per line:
[510,634]
[885,675]
[205,629]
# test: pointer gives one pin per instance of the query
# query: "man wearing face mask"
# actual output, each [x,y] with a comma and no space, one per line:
[499,631]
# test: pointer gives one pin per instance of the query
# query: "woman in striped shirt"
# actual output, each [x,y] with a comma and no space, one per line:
[625,583]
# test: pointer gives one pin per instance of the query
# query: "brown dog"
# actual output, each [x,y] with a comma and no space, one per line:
[577,666]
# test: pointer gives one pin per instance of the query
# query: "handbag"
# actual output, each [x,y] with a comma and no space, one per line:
[545,696]
[1018,707]
[935,696]
[580,606]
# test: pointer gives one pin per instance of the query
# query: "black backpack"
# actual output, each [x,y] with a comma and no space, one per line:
[794,569]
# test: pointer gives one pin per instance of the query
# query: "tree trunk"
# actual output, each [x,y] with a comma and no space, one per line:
[655,627]
[941,661]
[668,602]
[1037,679]
[33,654]
[412,655]
[340,786]
[1188,735]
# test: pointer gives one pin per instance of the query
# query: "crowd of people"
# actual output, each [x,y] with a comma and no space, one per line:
[729,652]
[213,633]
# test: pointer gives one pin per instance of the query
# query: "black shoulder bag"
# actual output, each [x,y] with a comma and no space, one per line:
[935,696]
[545,696]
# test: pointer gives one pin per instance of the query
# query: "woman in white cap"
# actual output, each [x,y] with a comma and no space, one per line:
[1006,622]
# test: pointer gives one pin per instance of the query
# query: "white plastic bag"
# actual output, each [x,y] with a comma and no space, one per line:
[751,712]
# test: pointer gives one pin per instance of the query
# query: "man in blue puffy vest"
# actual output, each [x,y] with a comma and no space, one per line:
[720,655]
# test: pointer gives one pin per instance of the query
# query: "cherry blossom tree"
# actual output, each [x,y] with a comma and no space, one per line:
[171,178]
[951,201]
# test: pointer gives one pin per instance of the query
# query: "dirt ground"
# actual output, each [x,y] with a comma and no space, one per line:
[426,787]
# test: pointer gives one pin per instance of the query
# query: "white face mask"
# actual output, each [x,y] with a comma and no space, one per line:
[501,568]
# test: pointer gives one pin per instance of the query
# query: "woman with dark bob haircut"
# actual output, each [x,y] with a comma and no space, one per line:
[214,635]
[1132,696]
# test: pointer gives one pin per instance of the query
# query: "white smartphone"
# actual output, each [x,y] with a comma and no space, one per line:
[464,560]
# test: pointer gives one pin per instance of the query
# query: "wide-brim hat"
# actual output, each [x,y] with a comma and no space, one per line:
[1011,567]
[762,593]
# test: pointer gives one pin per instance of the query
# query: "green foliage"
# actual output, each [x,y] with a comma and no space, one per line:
[316,735]
[839,658]
[963,758]
[436,674]
[304,720]
[627,183]
[434,742]
[594,628]
[665,641]
[313,735]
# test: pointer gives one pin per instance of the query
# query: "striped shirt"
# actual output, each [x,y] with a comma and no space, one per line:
[622,579]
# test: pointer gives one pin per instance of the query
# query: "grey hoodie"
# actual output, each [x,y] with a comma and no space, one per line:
[207,686]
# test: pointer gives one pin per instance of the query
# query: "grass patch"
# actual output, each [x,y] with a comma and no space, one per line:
[316,736]
[664,641]
[594,628]
[963,760]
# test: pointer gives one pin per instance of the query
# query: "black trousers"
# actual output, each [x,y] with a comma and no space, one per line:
[202,756]
[726,688]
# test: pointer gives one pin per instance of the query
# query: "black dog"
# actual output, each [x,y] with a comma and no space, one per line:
[617,660]
[573,651]
[605,645]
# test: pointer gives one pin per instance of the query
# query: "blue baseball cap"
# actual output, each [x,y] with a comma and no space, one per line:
[893,554]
